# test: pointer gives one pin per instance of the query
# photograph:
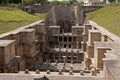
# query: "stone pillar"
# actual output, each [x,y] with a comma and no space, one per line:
[85,33]
[87,27]
[60,72]
[56,62]
[72,42]
[77,44]
[37,72]
[47,63]
[94,36]
[99,55]
[58,40]
[54,55]
[62,39]
[83,46]
[70,72]
[53,16]
[85,36]
[93,72]
[60,55]
[71,66]
[90,51]
[26,71]
[88,62]
[72,55]
[18,61]
[67,41]
[104,38]
[105,69]
[64,60]
[48,71]
[82,73]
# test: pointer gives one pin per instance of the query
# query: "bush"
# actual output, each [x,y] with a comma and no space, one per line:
[14,5]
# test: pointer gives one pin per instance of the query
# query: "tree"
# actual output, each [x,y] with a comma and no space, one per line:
[42,2]
[72,1]
[0,1]
[55,2]
[65,3]
[114,1]
[4,1]
[111,1]
[28,1]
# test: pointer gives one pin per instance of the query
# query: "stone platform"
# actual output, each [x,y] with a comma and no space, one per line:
[52,76]
[51,66]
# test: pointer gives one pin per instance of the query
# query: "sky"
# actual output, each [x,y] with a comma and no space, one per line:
[68,0]
[64,0]
[58,0]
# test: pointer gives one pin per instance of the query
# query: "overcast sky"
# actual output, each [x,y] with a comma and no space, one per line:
[68,0]
[63,0]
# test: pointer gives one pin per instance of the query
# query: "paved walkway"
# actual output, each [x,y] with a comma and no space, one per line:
[52,76]
[64,74]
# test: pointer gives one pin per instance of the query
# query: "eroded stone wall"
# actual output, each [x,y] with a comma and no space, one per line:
[23,52]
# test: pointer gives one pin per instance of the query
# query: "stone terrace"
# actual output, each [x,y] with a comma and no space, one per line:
[53,76]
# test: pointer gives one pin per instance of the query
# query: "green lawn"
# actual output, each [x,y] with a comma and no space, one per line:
[11,19]
[108,17]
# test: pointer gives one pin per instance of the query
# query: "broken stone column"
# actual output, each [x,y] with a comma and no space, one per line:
[81,73]
[56,62]
[60,72]
[93,72]
[26,71]
[48,71]
[70,72]
[37,72]
[88,62]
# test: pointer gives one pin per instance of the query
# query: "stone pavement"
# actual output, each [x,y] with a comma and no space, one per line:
[52,76]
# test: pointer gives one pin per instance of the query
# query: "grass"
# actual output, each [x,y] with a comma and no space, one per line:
[11,19]
[108,17]
[42,16]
